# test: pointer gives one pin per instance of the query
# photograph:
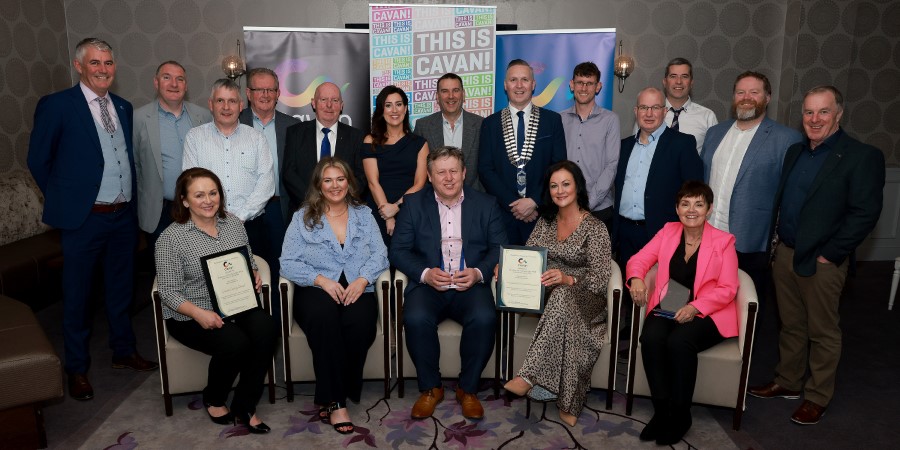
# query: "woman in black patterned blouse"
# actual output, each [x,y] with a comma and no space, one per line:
[239,345]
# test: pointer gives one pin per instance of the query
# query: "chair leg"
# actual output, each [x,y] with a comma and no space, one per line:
[527,407]
[290,390]
[167,400]
[386,335]
[398,291]
[736,420]
[894,281]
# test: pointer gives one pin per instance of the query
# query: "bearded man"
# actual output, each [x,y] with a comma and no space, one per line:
[742,161]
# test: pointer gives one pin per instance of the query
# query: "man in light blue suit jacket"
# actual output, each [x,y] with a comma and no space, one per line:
[742,161]
[80,155]
[157,163]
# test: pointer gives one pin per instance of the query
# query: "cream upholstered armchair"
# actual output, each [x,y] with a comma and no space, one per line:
[183,370]
[722,370]
[604,374]
[298,365]
[449,335]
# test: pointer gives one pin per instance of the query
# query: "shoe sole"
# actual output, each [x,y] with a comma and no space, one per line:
[807,423]
[123,366]
[789,397]
[82,399]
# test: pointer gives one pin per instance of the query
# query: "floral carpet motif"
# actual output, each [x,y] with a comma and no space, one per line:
[140,422]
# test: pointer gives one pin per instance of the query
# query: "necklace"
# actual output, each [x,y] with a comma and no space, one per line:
[697,242]
[336,215]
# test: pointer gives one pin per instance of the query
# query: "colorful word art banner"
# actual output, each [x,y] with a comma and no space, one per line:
[305,58]
[411,46]
[554,54]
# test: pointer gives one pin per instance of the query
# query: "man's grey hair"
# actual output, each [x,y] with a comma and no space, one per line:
[446,151]
[261,71]
[224,83]
[99,44]
[838,97]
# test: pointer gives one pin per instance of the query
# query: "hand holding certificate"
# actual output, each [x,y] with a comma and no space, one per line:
[230,281]
[519,286]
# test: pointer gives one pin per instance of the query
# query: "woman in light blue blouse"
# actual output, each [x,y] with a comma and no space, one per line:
[333,252]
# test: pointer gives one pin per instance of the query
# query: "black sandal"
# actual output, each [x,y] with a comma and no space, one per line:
[334,406]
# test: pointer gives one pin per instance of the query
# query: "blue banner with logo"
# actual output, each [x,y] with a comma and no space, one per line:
[554,54]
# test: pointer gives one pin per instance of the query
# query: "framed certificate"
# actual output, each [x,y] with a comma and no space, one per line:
[230,281]
[519,285]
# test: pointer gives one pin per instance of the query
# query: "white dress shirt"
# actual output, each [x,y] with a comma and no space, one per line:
[724,170]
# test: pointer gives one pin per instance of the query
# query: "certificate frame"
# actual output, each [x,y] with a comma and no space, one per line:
[521,289]
[230,281]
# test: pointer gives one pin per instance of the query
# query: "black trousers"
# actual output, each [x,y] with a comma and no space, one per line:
[244,345]
[757,266]
[339,337]
[669,350]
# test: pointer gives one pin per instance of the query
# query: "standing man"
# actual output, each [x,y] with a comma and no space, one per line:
[262,95]
[453,126]
[828,200]
[422,249]
[307,142]
[518,144]
[159,131]
[682,113]
[80,155]
[653,165]
[742,163]
[241,158]
[592,139]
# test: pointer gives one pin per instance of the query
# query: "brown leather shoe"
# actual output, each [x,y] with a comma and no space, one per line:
[773,390]
[134,362]
[808,413]
[471,407]
[79,387]
[426,403]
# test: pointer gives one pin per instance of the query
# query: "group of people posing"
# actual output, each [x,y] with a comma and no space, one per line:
[330,208]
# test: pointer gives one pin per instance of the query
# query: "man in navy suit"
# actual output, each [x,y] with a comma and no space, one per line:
[653,165]
[80,155]
[828,200]
[306,142]
[742,161]
[518,144]
[447,242]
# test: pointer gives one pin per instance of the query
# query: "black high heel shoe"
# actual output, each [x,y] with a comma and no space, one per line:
[244,418]
[226,419]
[331,409]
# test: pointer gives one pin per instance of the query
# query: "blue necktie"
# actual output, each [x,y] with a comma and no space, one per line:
[326,144]
[520,132]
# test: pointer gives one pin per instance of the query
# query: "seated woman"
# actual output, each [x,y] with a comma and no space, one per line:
[239,345]
[572,329]
[333,251]
[393,158]
[702,259]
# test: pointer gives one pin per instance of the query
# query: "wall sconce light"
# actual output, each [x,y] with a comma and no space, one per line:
[622,67]
[233,65]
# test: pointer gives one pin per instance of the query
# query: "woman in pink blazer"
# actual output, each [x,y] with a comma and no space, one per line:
[703,259]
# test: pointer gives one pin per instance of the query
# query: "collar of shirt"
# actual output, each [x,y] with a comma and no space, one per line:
[193,226]
[457,124]
[462,196]
[91,95]
[653,136]
[826,145]
[574,112]
[226,136]
[513,110]
[258,120]
[163,111]
[687,105]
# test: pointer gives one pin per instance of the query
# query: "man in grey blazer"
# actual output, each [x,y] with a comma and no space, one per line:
[742,161]
[159,130]
[453,126]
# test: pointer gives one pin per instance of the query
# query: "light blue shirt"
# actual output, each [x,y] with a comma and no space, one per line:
[636,173]
[308,253]
[172,131]
[268,130]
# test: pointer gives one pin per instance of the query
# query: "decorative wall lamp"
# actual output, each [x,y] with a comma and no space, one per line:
[622,67]
[233,65]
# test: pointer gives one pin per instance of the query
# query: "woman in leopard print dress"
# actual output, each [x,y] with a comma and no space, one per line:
[572,329]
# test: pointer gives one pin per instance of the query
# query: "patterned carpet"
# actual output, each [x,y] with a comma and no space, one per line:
[140,421]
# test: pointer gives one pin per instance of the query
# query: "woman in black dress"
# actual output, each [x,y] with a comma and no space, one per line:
[394,159]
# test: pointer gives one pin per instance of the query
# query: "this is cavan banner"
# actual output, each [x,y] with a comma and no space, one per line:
[554,54]
[411,46]
[304,58]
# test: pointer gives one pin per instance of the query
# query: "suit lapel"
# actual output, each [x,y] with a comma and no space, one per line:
[758,142]
[704,254]
[433,221]
[84,112]
[152,121]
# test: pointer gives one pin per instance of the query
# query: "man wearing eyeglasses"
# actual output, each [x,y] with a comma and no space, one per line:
[653,165]
[592,139]
[262,95]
